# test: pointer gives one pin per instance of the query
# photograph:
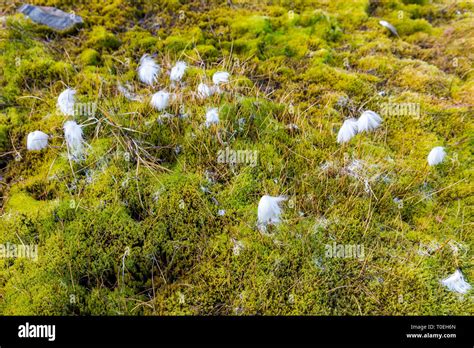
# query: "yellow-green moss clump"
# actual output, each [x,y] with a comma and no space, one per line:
[89,57]
[151,221]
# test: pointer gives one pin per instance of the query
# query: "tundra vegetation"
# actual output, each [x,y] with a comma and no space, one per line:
[150,222]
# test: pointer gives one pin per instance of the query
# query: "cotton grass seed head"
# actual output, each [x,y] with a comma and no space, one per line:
[220,77]
[177,72]
[348,130]
[456,282]
[66,101]
[36,141]
[369,120]
[148,70]
[74,140]
[436,155]
[390,27]
[269,209]
[212,117]
[204,91]
[160,100]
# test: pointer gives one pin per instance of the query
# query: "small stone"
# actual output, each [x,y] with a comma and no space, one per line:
[51,17]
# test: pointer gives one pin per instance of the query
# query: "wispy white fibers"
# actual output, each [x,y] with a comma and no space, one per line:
[269,210]
[368,121]
[436,155]
[36,140]
[204,91]
[390,27]
[220,77]
[66,101]
[212,116]
[74,140]
[455,282]
[347,131]
[148,70]
[127,92]
[160,100]
[238,246]
[177,72]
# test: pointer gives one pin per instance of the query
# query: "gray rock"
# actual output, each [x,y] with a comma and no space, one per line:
[51,17]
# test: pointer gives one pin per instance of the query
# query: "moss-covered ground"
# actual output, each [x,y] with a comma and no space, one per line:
[137,227]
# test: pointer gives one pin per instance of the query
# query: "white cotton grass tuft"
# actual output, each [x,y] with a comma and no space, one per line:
[220,77]
[204,91]
[148,70]
[66,101]
[269,210]
[177,72]
[368,121]
[36,141]
[436,155]
[74,140]
[455,282]
[348,130]
[160,100]
[212,116]
[390,27]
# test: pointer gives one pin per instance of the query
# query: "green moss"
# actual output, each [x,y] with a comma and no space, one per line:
[180,40]
[152,222]
[34,67]
[207,51]
[141,41]
[89,57]
[419,2]
[100,38]
[382,65]
[4,141]
[422,77]
[250,27]
[25,204]
[338,79]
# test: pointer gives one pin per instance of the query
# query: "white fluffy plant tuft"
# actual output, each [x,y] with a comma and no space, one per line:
[204,91]
[220,77]
[436,155]
[269,210]
[36,141]
[74,140]
[66,101]
[348,130]
[212,117]
[455,282]
[368,121]
[389,26]
[148,70]
[160,100]
[177,72]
